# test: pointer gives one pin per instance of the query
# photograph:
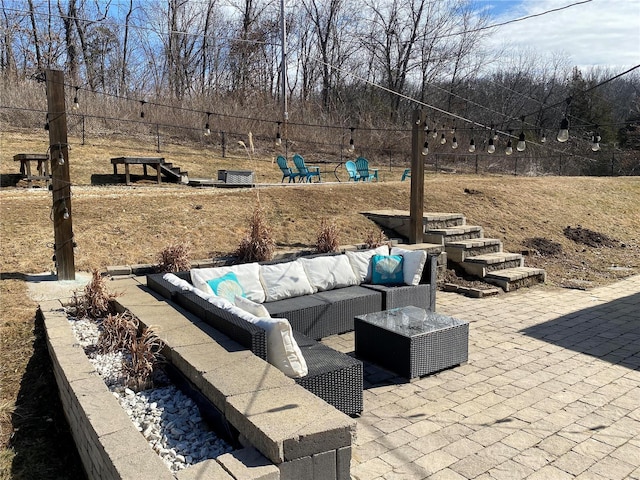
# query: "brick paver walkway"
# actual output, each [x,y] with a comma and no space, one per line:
[551,391]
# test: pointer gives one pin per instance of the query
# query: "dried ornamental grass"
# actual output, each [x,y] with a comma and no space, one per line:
[328,237]
[96,300]
[258,244]
[145,354]
[118,333]
[175,258]
[375,239]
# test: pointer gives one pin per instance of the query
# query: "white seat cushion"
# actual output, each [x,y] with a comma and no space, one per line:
[361,261]
[328,272]
[284,280]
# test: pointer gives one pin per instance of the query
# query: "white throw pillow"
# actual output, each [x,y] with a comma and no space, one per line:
[328,272]
[284,280]
[283,351]
[248,275]
[361,261]
[253,308]
[413,264]
[176,281]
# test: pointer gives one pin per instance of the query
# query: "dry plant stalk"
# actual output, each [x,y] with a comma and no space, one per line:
[96,300]
[118,333]
[175,258]
[258,244]
[145,354]
[328,237]
[375,239]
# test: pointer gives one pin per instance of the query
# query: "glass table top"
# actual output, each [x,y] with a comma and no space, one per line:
[410,321]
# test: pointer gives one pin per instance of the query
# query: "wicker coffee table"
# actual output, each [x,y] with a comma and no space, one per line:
[411,341]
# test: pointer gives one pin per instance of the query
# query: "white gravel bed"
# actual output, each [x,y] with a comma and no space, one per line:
[166,417]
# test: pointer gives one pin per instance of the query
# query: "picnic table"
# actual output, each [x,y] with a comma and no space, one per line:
[25,160]
[155,162]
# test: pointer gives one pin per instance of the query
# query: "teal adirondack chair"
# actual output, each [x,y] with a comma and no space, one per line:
[352,170]
[286,170]
[366,175]
[406,174]
[303,171]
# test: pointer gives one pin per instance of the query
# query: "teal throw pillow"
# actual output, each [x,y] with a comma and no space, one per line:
[387,270]
[227,286]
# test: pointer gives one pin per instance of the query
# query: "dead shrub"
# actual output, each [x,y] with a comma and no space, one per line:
[145,354]
[375,239]
[175,258]
[328,237]
[96,300]
[118,333]
[258,244]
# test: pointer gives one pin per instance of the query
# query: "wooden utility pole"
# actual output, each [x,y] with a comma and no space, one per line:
[416,227]
[60,180]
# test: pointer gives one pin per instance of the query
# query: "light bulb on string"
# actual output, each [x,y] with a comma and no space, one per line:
[434,134]
[491,148]
[425,148]
[352,146]
[495,133]
[595,145]
[65,213]
[453,130]
[509,149]
[522,144]
[60,155]
[443,140]
[76,105]
[543,138]
[142,102]
[563,133]
[207,126]
[472,146]
[454,143]
[278,141]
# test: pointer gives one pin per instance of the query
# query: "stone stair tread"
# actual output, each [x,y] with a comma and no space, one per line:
[474,243]
[496,257]
[459,230]
[513,274]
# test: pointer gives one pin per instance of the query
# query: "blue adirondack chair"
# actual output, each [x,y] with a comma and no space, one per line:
[352,170]
[366,175]
[303,171]
[286,170]
[406,174]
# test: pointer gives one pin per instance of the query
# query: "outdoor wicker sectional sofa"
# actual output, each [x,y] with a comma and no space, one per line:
[333,376]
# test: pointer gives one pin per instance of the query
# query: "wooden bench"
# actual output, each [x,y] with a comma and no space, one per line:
[25,160]
[155,162]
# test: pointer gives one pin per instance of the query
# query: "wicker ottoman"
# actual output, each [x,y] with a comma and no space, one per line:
[411,341]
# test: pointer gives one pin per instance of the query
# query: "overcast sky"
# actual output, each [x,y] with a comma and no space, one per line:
[602,33]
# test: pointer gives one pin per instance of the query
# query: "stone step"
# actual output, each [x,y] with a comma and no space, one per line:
[481,265]
[513,278]
[399,220]
[462,249]
[453,234]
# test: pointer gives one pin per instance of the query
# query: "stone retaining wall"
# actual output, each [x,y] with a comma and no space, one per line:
[290,433]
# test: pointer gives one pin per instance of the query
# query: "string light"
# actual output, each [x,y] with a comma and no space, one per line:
[509,149]
[425,148]
[207,127]
[595,140]
[443,140]
[60,155]
[434,134]
[472,145]
[491,148]
[65,213]
[76,105]
[563,133]
[521,145]
[352,146]
[454,143]
[543,139]
[46,123]
[278,136]
[142,102]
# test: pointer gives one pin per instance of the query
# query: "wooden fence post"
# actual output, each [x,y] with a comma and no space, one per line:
[416,227]
[60,180]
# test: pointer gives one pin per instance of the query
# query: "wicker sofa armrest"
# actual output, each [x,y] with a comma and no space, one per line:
[246,334]
[157,283]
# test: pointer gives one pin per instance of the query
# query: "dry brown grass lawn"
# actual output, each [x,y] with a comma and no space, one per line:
[117,225]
